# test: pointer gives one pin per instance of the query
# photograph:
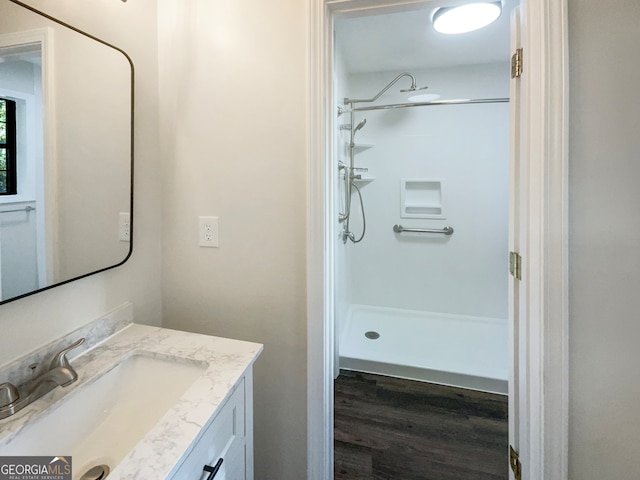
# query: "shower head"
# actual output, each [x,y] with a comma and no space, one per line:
[413,88]
[360,125]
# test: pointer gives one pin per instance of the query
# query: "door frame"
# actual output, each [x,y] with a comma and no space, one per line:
[543,148]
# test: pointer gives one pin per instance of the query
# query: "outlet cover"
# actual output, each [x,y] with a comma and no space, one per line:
[208,232]
[124,227]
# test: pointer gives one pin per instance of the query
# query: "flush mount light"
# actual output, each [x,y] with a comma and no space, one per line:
[466,18]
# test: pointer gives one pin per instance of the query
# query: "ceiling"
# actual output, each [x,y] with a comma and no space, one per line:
[406,40]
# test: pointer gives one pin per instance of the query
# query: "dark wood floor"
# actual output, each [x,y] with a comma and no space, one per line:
[393,429]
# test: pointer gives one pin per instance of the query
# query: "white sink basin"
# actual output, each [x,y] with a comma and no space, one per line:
[102,421]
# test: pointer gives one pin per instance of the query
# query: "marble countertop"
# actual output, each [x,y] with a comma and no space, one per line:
[161,450]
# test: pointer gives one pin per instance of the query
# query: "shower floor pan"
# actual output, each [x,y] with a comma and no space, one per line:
[456,350]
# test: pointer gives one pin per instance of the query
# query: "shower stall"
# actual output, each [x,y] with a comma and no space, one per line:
[421,221]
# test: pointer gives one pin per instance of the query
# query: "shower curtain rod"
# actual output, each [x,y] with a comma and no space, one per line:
[426,104]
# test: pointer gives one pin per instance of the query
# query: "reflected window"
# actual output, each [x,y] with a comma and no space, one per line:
[8,177]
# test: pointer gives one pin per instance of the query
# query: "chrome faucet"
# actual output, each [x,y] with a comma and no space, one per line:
[60,374]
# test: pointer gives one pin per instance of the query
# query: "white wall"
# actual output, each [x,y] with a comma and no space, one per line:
[18,76]
[464,146]
[604,239]
[30,322]
[18,258]
[233,126]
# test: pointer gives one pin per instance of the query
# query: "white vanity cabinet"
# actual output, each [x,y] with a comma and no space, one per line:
[226,442]
[202,416]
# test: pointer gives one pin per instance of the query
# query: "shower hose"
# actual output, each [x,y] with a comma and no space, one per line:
[364,220]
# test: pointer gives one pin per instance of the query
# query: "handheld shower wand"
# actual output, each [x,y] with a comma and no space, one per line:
[349,185]
[360,125]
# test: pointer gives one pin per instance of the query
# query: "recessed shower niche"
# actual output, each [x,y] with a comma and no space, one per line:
[421,198]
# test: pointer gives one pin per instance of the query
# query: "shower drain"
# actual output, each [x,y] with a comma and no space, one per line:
[99,472]
[372,335]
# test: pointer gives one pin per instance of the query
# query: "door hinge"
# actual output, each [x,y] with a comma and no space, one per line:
[515,265]
[514,461]
[516,63]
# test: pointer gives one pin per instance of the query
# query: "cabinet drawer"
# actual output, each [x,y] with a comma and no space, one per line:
[223,438]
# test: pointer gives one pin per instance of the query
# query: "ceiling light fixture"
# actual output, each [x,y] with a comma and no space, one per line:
[466,18]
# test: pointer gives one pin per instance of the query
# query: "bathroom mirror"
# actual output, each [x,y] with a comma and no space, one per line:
[66,155]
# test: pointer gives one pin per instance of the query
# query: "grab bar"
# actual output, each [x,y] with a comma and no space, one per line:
[27,209]
[446,230]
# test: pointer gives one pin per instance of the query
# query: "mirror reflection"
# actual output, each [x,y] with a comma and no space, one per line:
[65,153]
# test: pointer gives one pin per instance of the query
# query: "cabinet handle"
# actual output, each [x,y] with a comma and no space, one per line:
[213,470]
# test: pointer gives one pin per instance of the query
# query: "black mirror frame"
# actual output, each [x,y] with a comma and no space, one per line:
[131,221]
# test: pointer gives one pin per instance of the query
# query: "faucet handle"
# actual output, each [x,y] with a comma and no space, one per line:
[8,394]
[60,358]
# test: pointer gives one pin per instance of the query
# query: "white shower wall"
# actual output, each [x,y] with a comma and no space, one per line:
[465,146]
[342,285]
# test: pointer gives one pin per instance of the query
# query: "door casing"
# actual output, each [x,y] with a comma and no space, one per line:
[542,143]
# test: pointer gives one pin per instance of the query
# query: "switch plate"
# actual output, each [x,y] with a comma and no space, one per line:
[124,227]
[208,232]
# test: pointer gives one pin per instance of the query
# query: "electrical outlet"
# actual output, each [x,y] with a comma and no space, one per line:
[124,227]
[208,232]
